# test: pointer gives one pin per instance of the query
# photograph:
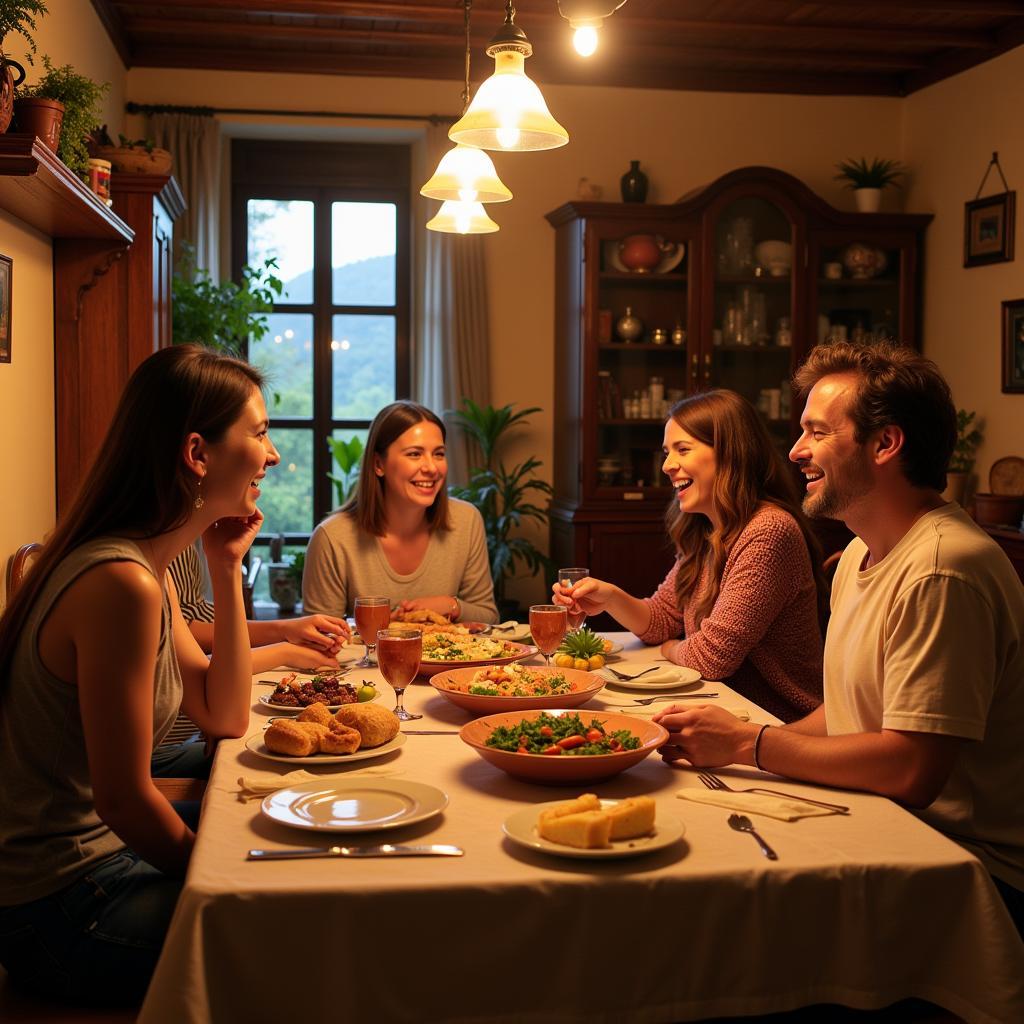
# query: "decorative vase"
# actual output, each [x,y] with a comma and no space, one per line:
[629,327]
[634,184]
[863,261]
[642,253]
[11,74]
[41,118]
[868,200]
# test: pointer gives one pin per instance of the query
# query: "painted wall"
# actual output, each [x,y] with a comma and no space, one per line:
[70,34]
[952,129]
[682,140]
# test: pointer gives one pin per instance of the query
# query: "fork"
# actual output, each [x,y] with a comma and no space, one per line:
[626,678]
[714,782]
[674,696]
[741,823]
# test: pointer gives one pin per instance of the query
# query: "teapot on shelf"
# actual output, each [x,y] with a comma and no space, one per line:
[643,253]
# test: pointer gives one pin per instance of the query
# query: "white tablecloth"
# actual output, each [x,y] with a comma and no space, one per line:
[861,910]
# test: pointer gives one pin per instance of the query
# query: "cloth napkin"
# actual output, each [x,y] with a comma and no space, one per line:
[252,788]
[665,674]
[755,803]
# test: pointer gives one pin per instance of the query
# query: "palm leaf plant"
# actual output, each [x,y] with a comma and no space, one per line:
[878,173]
[347,457]
[507,496]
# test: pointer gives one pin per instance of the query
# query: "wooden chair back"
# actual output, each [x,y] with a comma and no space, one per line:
[18,564]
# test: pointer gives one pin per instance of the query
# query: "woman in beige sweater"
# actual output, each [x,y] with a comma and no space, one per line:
[400,536]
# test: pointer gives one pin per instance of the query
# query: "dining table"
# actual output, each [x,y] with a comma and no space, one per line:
[861,909]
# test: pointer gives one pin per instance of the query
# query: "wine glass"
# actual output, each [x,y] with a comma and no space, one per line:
[569,578]
[548,624]
[399,649]
[372,614]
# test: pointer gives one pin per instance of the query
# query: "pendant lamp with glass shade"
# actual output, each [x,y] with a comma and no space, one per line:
[508,113]
[586,17]
[464,179]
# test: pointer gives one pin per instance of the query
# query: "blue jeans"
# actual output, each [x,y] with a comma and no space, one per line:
[97,940]
[186,760]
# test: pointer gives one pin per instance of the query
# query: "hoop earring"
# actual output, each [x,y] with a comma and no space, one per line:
[199,502]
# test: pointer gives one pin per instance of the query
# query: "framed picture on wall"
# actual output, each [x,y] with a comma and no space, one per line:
[1013,346]
[988,229]
[6,273]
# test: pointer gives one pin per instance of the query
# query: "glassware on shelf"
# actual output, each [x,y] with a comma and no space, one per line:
[739,246]
[629,327]
[678,334]
[784,332]
[659,336]
[657,390]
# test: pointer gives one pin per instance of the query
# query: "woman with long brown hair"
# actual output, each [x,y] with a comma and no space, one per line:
[95,661]
[400,535]
[746,597]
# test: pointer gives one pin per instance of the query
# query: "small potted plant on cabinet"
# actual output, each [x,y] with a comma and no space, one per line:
[133,156]
[70,98]
[968,437]
[17,17]
[868,179]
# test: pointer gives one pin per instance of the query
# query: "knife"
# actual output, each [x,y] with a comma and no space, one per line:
[377,850]
[431,732]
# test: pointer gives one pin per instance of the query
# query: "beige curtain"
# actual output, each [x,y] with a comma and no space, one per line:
[194,142]
[451,320]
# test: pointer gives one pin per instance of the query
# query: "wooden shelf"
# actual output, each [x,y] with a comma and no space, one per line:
[752,348]
[857,283]
[624,277]
[38,188]
[749,279]
[633,421]
[640,346]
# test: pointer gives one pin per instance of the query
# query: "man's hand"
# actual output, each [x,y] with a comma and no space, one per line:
[439,603]
[706,736]
[325,633]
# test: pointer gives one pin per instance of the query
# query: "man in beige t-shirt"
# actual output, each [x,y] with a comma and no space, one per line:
[924,655]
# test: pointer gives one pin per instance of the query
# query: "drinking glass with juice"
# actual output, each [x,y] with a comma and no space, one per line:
[399,650]
[548,625]
[372,615]
[569,578]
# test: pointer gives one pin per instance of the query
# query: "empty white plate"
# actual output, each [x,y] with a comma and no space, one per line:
[358,805]
[666,677]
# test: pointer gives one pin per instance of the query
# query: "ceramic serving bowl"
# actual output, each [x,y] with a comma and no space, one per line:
[776,255]
[569,769]
[585,686]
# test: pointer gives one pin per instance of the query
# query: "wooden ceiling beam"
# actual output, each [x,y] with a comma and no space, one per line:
[981,8]
[114,28]
[787,34]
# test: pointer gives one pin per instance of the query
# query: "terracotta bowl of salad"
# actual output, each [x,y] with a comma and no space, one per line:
[564,746]
[516,687]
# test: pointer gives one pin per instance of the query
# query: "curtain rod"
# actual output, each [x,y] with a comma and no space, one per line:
[170,108]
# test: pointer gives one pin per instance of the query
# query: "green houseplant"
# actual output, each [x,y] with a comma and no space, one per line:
[347,458]
[221,316]
[81,99]
[968,438]
[868,179]
[504,495]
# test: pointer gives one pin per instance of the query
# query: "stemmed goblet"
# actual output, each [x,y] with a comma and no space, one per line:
[569,578]
[548,625]
[399,650]
[372,615]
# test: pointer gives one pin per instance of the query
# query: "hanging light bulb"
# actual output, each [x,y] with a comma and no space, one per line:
[587,16]
[508,112]
[462,218]
[467,175]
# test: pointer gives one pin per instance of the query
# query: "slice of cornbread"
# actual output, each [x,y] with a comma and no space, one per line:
[587,802]
[631,818]
[586,830]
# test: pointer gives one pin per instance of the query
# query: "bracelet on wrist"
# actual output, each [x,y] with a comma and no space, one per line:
[757,747]
[456,610]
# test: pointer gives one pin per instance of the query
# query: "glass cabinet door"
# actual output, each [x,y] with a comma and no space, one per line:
[643,333]
[752,316]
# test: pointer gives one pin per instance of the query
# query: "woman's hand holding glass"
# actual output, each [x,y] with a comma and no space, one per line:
[587,596]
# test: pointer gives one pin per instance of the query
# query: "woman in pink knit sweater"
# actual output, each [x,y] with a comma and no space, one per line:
[746,597]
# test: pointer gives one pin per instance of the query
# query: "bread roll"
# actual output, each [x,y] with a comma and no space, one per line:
[291,738]
[376,725]
[316,713]
[339,739]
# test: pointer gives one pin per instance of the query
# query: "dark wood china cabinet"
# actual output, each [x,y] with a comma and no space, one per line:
[730,287]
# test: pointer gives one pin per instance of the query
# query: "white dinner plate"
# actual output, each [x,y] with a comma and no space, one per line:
[517,635]
[668,677]
[357,805]
[259,748]
[615,648]
[521,828]
[265,700]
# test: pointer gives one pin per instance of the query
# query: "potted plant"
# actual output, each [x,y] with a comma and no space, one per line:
[284,575]
[503,495]
[347,457]
[868,179]
[132,156]
[221,316]
[17,17]
[968,438]
[62,91]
